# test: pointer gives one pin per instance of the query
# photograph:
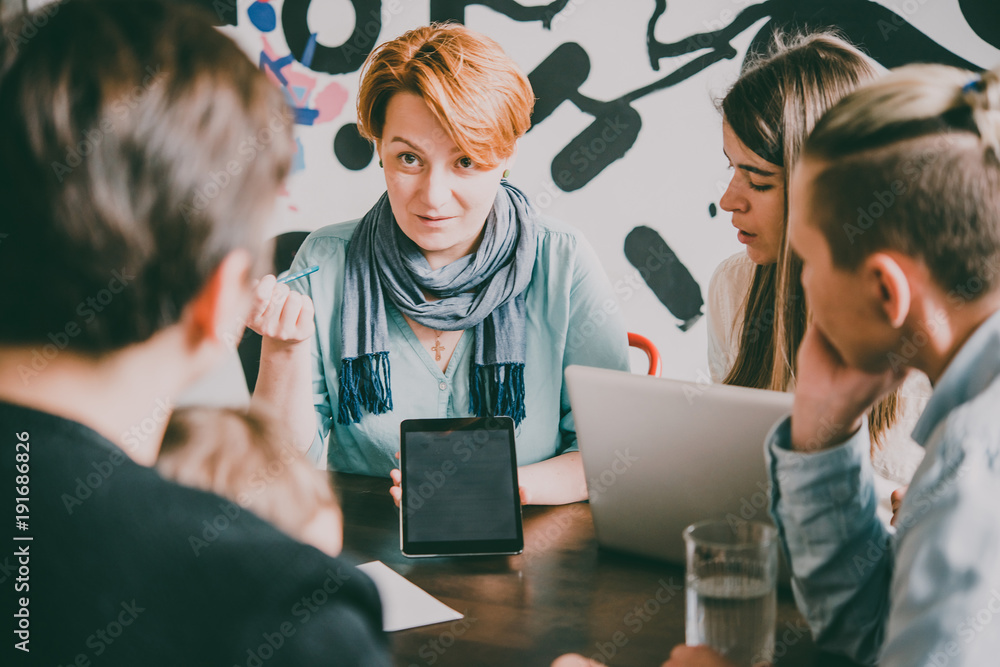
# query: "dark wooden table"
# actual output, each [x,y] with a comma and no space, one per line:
[563,594]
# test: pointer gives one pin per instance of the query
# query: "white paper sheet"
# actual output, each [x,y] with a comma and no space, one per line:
[404,604]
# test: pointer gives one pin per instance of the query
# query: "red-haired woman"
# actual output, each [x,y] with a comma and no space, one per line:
[453,296]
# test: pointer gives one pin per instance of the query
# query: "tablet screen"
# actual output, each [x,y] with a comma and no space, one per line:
[460,487]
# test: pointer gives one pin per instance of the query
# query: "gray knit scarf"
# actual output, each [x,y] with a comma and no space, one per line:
[482,291]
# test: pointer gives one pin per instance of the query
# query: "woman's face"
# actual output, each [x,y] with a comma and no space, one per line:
[439,196]
[756,198]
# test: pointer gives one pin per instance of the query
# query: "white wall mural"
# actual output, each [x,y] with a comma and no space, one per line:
[626,141]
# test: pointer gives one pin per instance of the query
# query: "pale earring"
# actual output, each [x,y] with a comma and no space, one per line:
[506,173]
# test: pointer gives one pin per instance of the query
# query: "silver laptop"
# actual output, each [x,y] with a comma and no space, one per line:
[661,454]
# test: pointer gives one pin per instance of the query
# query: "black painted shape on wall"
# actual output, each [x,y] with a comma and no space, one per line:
[983,17]
[718,40]
[665,275]
[613,132]
[353,150]
[887,36]
[616,124]
[558,78]
[349,56]
[454,10]
[222,12]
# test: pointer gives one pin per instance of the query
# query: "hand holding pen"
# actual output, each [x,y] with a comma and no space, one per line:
[280,313]
[300,274]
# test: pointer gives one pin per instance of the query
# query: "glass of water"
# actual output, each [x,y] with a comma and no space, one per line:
[732,571]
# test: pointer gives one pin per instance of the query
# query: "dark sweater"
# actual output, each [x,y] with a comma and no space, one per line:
[127,568]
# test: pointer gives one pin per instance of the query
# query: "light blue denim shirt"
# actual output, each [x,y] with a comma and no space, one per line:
[930,593]
[572,318]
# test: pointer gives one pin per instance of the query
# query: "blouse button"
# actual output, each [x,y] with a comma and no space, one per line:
[443,386]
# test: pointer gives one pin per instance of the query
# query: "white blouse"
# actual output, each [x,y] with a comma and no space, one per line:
[898,457]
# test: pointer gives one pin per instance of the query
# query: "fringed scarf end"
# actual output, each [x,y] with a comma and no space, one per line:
[364,383]
[498,390]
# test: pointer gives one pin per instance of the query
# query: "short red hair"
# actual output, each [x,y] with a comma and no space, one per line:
[472,87]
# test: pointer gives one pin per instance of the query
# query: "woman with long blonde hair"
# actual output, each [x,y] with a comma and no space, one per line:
[756,308]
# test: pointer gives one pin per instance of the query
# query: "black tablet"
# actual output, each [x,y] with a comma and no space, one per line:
[460,495]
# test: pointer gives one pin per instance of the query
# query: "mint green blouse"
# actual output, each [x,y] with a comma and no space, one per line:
[572,318]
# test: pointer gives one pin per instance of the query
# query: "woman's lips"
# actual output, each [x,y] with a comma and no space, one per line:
[745,237]
[434,220]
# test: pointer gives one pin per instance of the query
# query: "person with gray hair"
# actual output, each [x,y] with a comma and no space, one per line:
[127,270]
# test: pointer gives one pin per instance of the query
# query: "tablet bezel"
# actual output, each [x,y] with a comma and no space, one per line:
[498,547]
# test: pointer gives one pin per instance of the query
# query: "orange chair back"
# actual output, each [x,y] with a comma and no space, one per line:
[646,345]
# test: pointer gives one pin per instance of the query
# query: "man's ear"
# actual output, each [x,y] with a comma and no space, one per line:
[219,309]
[891,287]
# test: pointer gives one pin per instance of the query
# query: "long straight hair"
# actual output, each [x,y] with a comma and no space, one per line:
[772,108]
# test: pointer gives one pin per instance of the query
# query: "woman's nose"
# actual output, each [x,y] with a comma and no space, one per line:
[732,200]
[436,189]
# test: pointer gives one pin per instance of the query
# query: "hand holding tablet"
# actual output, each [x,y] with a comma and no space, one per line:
[396,490]
[459,491]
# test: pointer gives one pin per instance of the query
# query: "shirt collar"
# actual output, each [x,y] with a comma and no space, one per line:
[974,368]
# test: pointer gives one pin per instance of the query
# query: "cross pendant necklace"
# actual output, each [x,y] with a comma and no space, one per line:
[438,347]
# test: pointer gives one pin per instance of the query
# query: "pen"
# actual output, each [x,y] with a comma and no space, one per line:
[300,274]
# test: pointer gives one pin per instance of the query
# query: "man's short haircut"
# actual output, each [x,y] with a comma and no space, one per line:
[140,147]
[911,163]
[477,93]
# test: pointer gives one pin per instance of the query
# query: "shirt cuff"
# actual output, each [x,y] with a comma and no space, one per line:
[807,486]
[799,472]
